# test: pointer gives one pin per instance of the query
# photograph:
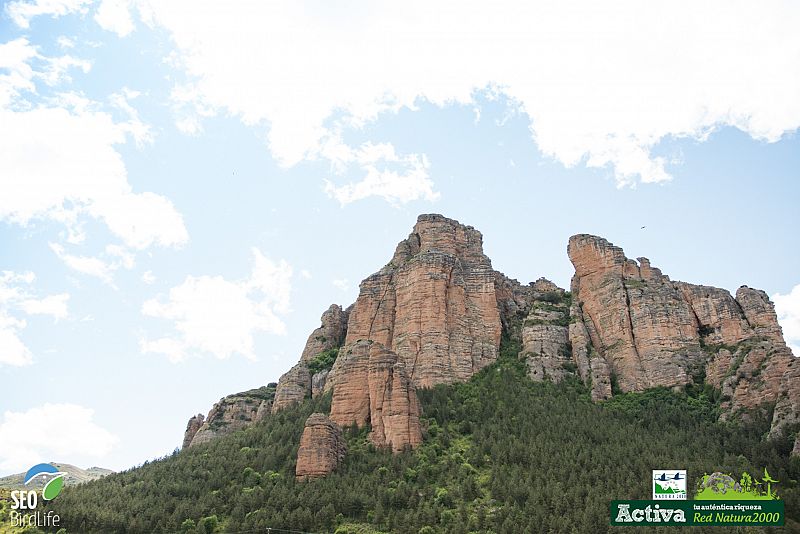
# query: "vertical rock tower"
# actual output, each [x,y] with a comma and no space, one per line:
[434,304]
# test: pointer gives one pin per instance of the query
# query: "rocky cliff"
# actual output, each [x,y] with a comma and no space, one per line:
[309,376]
[435,314]
[434,304]
[653,332]
[230,414]
[373,388]
[322,448]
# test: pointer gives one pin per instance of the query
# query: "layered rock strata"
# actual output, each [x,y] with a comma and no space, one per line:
[299,383]
[230,414]
[376,391]
[653,332]
[545,333]
[322,448]
[434,304]
[329,335]
[293,386]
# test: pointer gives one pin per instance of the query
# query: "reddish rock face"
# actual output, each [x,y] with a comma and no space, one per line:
[434,304]
[641,324]
[329,335]
[760,313]
[394,408]
[372,387]
[349,379]
[655,332]
[787,409]
[719,317]
[592,368]
[321,448]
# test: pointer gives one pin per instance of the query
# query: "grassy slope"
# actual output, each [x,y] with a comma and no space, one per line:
[500,454]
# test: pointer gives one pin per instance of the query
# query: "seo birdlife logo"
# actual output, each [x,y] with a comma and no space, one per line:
[52,481]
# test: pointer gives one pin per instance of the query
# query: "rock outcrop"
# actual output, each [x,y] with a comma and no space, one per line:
[435,314]
[322,448]
[350,384]
[376,391]
[299,383]
[592,368]
[293,386]
[760,313]
[394,407]
[545,333]
[192,427]
[787,408]
[639,321]
[653,332]
[329,335]
[230,414]
[319,382]
[434,304]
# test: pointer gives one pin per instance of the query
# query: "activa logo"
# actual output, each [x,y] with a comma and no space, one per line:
[52,481]
[649,514]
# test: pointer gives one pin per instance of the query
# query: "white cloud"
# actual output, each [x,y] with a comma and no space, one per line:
[305,274]
[148,277]
[140,131]
[58,165]
[601,83]
[16,299]
[12,350]
[52,305]
[21,11]
[219,316]
[88,265]
[115,16]
[103,266]
[61,164]
[395,178]
[341,284]
[788,309]
[14,58]
[52,432]
[65,42]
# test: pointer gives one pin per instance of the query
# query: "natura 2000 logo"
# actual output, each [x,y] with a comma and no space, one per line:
[24,502]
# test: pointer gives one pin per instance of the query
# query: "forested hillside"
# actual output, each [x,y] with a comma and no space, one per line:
[500,454]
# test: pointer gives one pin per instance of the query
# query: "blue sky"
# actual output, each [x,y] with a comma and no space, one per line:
[186,186]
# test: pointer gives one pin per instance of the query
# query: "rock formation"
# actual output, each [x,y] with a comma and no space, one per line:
[350,384]
[230,414]
[376,390]
[319,382]
[435,313]
[787,408]
[434,304]
[545,333]
[192,427]
[654,332]
[329,335]
[394,407]
[636,318]
[321,448]
[298,383]
[293,386]
[593,369]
